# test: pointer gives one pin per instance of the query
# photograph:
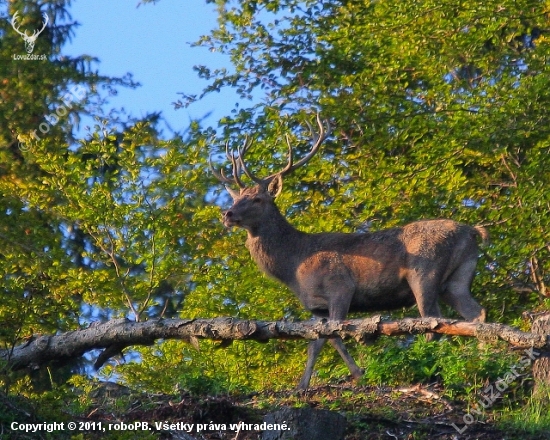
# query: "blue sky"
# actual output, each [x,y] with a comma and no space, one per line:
[153,42]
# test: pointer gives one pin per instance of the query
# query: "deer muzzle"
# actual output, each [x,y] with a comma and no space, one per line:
[230,219]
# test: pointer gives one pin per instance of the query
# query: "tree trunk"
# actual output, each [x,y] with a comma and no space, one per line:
[541,365]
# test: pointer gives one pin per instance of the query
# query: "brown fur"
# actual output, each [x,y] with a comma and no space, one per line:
[335,273]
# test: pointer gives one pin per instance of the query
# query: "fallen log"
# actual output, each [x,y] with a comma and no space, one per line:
[115,335]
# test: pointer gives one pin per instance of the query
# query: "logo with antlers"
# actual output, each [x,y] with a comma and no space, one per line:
[29,39]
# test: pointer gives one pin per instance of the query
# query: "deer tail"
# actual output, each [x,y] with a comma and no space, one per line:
[483,233]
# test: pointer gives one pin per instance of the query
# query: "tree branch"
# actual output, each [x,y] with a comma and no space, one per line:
[115,335]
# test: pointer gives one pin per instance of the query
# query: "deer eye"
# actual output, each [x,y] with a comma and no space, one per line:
[256,200]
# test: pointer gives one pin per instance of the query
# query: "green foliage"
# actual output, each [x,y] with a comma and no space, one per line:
[438,109]
[462,367]
[22,406]
[214,369]
[532,417]
[36,251]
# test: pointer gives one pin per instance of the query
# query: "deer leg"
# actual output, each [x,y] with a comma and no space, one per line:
[426,295]
[339,308]
[457,293]
[341,290]
[354,369]
[313,350]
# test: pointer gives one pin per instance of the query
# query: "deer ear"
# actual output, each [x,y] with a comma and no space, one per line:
[275,187]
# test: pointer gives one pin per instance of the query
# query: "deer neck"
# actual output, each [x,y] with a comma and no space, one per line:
[275,245]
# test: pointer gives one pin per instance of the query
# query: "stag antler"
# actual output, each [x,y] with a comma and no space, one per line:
[236,167]
[239,164]
[316,138]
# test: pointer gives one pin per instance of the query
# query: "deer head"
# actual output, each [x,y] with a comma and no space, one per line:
[249,203]
[29,39]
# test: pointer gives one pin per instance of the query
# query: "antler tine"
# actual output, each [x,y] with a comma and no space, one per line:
[236,166]
[242,151]
[290,162]
[220,175]
[317,141]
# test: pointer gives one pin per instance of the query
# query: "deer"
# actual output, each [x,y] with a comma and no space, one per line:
[30,40]
[334,274]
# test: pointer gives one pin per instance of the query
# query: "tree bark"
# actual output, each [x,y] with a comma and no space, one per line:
[113,336]
[541,365]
